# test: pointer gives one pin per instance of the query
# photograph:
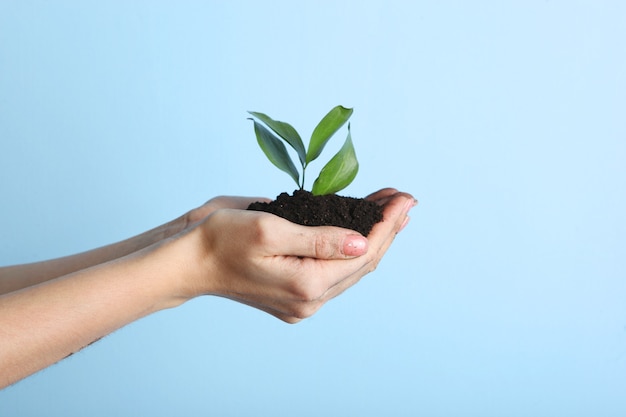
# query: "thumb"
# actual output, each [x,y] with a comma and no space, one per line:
[321,242]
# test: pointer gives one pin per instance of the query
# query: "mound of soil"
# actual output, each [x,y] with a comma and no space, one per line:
[324,210]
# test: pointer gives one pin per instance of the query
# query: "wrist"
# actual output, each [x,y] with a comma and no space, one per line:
[183,266]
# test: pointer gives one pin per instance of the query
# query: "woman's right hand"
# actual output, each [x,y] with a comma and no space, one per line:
[285,269]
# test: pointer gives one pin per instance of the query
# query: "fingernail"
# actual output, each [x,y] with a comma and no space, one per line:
[406,221]
[354,245]
[409,205]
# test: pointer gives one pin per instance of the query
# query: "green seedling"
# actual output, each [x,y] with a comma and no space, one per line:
[336,175]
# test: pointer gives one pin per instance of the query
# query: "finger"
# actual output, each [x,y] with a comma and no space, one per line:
[395,213]
[327,242]
[395,216]
[319,242]
[381,194]
[384,196]
[347,273]
[337,276]
[235,202]
[222,202]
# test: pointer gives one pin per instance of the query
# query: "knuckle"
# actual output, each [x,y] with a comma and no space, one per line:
[261,229]
[323,247]
[291,320]
[303,310]
[307,298]
[304,291]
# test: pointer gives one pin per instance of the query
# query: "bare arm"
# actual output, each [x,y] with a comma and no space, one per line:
[43,324]
[255,258]
[16,277]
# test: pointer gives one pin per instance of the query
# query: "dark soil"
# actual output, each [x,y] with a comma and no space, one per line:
[325,210]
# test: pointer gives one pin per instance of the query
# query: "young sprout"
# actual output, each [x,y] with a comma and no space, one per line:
[336,175]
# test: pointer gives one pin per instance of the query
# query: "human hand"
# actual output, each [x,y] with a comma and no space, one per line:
[193,217]
[255,258]
[285,269]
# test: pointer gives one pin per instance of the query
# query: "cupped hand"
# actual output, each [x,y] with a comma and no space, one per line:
[285,269]
[197,215]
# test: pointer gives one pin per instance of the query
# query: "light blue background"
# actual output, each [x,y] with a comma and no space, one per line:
[505,296]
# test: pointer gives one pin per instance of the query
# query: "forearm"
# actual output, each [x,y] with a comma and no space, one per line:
[16,277]
[256,258]
[43,324]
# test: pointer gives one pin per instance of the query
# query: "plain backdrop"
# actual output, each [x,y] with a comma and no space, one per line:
[505,295]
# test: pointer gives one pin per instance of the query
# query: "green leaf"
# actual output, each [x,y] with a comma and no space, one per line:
[275,151]
[339,172]
[285,131]
[325,129]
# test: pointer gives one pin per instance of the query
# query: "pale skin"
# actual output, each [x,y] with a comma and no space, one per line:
[51,309]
